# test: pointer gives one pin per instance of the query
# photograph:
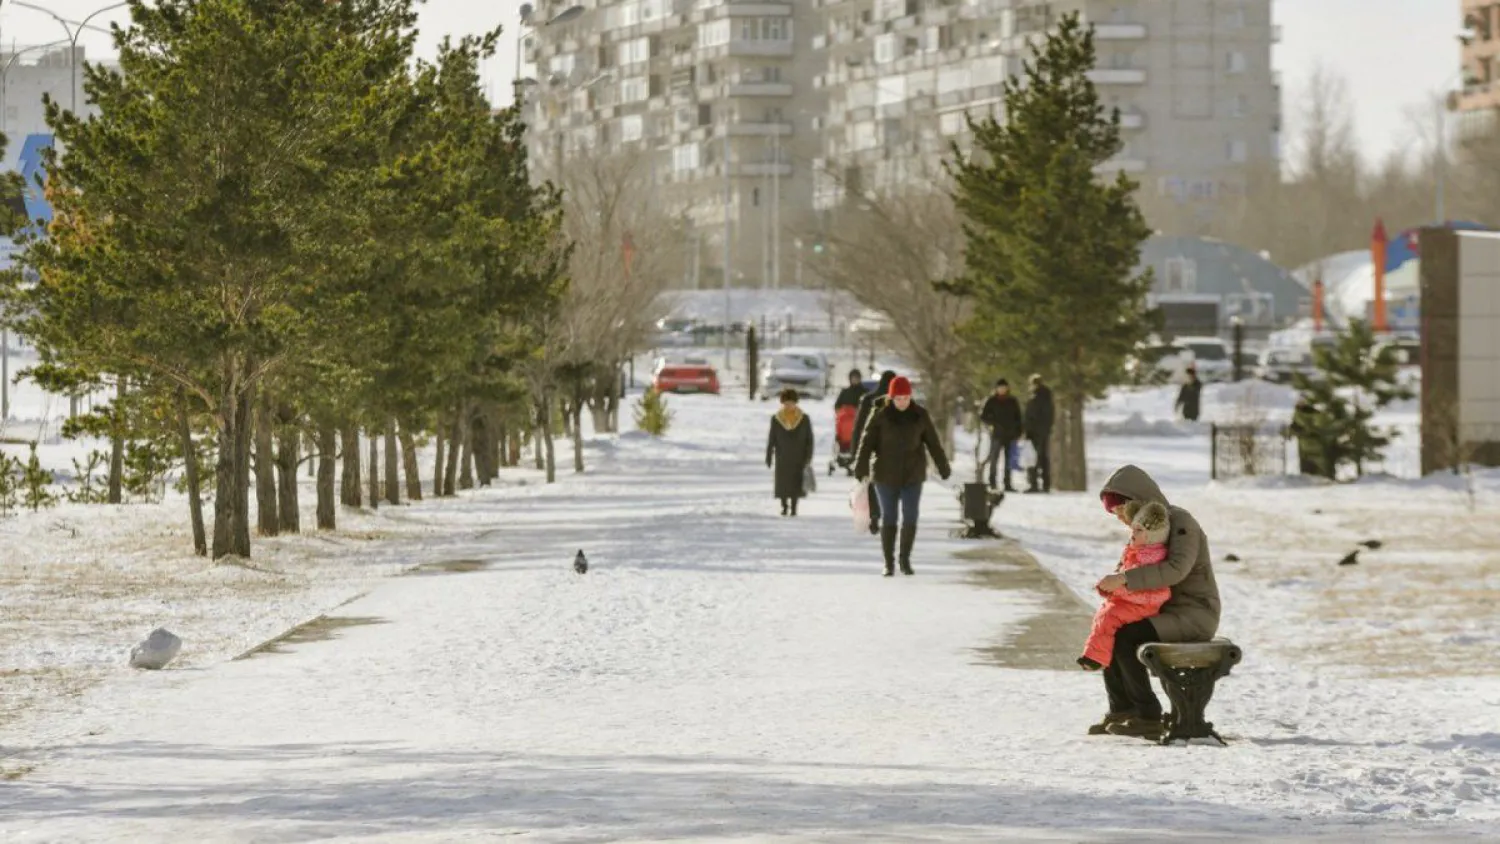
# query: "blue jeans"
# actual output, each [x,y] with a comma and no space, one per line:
[909,497]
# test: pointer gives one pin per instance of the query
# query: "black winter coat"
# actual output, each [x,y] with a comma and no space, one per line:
[1039,414]
[866,405]
[1188,399]
[896,440]
[849,396]
[790,448]
[1003,415]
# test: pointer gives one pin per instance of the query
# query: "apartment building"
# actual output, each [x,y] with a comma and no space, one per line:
[717,93]
[1477,103]
[26,73]
[1199,101]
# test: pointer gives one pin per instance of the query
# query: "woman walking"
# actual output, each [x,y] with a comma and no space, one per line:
[790,449]
[899,437]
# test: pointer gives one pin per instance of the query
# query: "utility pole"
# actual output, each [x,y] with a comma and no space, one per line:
[728,195]
[776,211]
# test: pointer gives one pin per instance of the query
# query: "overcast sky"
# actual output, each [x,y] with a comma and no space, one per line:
[1395,54]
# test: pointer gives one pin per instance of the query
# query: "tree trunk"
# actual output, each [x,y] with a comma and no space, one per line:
[327,449]
[517,444]
[117,444]
[455,441]
[374,469]
[392,467]
[547,440]
[409,465]
[288,458]
[1070,461]
[244,423]
[495,443]
[224,474]
[578,436]
[536,441]
[482,450]
[466,449]
[190,472]
[440,461]
[267,523]
[349,490]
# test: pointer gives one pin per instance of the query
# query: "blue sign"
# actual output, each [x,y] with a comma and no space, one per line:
[37,207]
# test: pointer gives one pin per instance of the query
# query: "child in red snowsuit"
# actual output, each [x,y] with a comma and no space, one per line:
[1149,528]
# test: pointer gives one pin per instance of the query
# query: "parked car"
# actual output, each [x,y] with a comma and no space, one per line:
[1211,357]
[665,361]
[803,370]
[686,378]
[1407,350]
[1277,365]
[1158,363]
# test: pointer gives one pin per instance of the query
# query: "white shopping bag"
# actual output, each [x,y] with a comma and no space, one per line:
[1028,455]
[859,502]
[809,480]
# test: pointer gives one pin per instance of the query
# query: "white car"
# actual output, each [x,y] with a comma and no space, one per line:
[1211,359]
[805,371]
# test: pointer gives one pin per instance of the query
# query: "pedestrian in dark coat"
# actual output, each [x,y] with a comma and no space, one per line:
[1002,413]
[1191,614]
[866,407]
[852,395]
[1039,416]
[899,438]
[790,449]
[1188,396]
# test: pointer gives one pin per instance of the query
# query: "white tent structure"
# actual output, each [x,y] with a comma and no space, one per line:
[1349,286]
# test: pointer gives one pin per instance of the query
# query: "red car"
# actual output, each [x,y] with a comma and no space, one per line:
[686,378]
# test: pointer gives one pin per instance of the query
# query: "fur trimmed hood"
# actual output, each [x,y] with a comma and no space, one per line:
[1151,517]
[790,417]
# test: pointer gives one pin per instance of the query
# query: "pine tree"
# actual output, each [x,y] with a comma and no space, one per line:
[10,483]
[1336,408]
[36,483]
[652,414]
[1052,247]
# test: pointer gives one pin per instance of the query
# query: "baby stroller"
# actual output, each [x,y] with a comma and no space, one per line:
[843,440]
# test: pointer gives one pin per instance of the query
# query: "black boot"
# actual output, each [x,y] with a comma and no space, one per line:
[908,539]
[794,506]
[783,506]
[888,547]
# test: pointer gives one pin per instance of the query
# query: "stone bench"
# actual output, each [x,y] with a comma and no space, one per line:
[1188,672]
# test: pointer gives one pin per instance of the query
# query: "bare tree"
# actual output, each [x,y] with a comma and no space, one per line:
[888,251]
[626,250]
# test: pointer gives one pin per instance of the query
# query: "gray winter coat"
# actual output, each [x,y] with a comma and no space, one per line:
[1192,613]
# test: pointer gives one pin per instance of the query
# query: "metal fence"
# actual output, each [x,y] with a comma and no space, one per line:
[1248,450]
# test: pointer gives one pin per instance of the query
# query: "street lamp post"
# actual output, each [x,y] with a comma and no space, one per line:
[73,33]
[728,199]
[5,74]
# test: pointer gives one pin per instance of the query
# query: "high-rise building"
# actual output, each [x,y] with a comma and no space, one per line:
[1199,101]
[786,107]
[717,93]
[1478,102]
[26,73]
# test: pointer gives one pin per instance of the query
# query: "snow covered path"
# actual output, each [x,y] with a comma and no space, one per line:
[720,673]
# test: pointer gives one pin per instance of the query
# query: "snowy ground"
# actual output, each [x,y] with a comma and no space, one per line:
[724,673]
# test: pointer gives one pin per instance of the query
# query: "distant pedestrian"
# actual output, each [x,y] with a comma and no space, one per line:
[1002,413]
[899,438]
[1039,416]
[861,421]
[790,449]
[1188,396]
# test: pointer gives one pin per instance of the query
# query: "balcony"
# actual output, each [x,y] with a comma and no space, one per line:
[1120,31]
[739,47]
[1122,165]
[765,168]
[759,130]
[761,89]
[1117,76]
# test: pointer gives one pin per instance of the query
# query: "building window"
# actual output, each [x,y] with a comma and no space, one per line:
[1234,61]
[885,48]
[1181,276]
[775,29]
[1239,106]
[755,197]
[1236,151]
[634,90]
[685,158]
[631,128]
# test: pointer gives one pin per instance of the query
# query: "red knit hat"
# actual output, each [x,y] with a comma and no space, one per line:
[899,387]
[1112,500]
